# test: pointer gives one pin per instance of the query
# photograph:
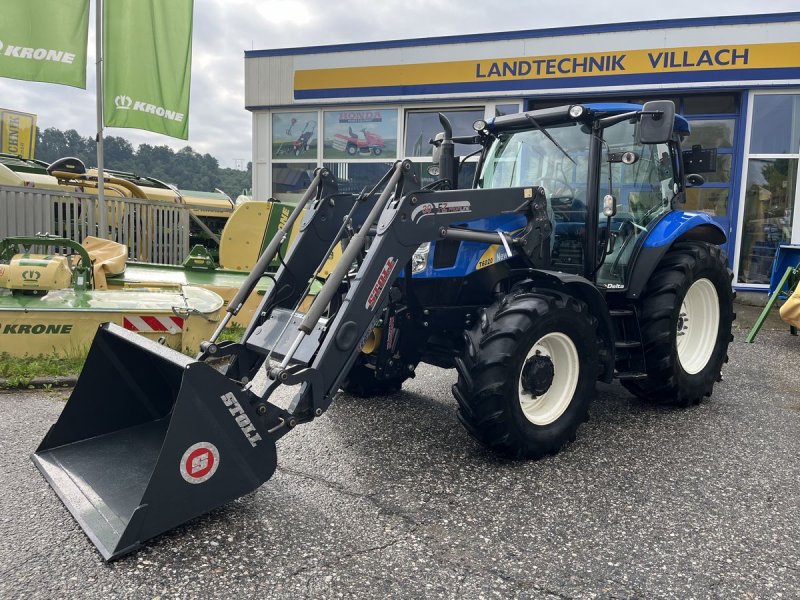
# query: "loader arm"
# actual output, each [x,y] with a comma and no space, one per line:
[317,354]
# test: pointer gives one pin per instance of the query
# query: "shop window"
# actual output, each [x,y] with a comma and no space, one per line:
[639,100]
[712,104]
[711,133]
[290,180]
[501,110]
[352,177]
[776,124]
[769,201]
[466,174]
[422,126]
[358,134]
[294,135]
[712,201]
[723,172]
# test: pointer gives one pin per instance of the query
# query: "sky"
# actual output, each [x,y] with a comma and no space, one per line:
[224,29]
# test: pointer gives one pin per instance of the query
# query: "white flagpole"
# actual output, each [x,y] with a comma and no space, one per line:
[99,94]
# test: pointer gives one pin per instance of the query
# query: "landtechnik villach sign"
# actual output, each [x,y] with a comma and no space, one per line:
[620,67]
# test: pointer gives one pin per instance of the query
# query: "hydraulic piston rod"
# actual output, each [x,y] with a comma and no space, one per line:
[349,255]
[268,255]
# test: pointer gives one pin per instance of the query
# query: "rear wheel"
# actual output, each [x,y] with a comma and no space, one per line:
[527,374]
[685,315]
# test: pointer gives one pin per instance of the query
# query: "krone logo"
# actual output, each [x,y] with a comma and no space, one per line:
[123,102]
[31,275]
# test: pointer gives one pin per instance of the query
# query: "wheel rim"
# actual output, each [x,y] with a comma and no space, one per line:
[697,326]
[549,406]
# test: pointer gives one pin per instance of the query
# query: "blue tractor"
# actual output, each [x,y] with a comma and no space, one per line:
[567,261]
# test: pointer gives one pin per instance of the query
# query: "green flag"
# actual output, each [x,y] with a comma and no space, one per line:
[147,64]
[43,40]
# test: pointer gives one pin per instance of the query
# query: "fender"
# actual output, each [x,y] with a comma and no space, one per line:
[675,226]
[586,291]
[679,224]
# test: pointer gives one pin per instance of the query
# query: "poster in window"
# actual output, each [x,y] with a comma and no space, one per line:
[294,135]
[360,134]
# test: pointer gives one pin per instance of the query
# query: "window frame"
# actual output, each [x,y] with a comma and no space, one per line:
[746,157]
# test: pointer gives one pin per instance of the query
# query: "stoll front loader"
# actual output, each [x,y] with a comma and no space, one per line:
[566,262]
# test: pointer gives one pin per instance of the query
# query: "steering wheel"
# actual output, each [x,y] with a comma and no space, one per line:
[555,184]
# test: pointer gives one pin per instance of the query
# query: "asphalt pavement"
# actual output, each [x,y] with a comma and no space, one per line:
[391,498]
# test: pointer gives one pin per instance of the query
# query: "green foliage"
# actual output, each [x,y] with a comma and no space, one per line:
[232,333]
[19,372]
[186,169]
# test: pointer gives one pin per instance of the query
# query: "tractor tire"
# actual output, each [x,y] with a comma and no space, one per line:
[527,374]
[352,149]
[361,381]
[377,150]
[685,316]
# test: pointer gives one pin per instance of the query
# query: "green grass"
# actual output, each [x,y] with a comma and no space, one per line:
[19,372]
[232,333]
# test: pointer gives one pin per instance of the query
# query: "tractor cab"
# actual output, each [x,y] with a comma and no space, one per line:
[607,178]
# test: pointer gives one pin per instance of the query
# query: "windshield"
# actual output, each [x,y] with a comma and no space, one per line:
[643,189]
[526,158]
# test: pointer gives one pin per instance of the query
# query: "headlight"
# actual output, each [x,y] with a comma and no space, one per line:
[479,125]
[576,111]
[419,260]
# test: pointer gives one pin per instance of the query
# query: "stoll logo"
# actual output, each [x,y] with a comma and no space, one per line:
[126,103]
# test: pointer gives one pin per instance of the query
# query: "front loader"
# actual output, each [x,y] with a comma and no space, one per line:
[568,261]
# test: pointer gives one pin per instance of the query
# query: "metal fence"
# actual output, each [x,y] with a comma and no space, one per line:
[153,231]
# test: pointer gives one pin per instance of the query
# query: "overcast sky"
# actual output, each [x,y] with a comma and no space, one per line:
[224,29]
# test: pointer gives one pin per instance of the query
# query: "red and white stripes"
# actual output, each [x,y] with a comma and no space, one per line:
[153,324]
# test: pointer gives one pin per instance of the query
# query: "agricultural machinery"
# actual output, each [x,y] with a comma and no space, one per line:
[372,143]
[568,261]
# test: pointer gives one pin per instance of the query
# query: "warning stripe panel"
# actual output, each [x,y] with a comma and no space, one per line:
[153,324]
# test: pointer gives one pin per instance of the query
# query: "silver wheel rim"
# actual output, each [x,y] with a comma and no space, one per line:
[697,326]
[546,408]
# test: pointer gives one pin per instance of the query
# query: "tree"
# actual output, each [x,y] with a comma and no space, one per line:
[186,169]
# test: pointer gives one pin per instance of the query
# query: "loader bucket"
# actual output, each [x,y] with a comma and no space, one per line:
[150,439]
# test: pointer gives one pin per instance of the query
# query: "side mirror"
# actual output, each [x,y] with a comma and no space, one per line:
[657,122]
[694,180]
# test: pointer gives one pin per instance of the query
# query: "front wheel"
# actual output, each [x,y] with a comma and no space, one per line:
[685,313]
[527,374]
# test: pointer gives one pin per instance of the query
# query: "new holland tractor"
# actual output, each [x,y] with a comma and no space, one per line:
[567,261]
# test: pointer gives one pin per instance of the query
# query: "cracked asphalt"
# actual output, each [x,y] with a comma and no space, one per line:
[391,498]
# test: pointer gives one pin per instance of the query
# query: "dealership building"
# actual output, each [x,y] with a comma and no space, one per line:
[355,108]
